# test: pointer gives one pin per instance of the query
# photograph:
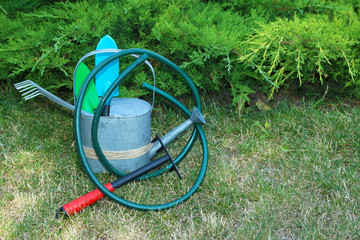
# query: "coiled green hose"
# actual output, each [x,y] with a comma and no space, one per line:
[197,130]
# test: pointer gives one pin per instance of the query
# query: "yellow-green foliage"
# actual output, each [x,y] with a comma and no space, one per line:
[310,49]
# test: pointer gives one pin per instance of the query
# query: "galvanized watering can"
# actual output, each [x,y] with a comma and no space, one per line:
[120,142]
[132,117]
[125,135]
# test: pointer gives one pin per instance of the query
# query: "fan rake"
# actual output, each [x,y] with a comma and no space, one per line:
[29,90]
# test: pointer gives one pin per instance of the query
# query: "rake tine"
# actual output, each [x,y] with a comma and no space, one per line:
[26,88]
[29,92]
[20,84]
[32,95]
[23,86]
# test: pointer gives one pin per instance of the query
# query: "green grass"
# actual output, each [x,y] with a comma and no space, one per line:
[289,173]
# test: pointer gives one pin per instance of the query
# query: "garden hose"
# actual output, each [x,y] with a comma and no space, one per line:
[196,132]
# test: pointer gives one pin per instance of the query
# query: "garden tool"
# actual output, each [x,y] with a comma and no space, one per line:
[134,117]
[32,90]
[91,99]
[130,123]
[82,202]
[109,73]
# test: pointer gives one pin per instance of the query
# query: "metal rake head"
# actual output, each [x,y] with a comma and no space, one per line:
[31,90]
[28,89]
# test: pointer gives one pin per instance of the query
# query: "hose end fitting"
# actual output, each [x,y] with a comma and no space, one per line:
[62,213]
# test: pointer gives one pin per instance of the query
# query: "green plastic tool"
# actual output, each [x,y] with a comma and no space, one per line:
[91,99]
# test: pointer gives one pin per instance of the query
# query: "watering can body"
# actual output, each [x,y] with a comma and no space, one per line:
[123,135]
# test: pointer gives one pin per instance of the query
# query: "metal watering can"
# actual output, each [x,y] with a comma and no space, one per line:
[125,135]
[137,121]
[120,142]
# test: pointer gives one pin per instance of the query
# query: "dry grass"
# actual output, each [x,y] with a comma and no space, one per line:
[290,173]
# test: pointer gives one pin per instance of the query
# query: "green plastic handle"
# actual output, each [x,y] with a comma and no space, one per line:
[91,98]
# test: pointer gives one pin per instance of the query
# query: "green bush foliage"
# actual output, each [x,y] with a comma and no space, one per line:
[45,44]
[206,39]
[11,7]
[309,49]
[239,46]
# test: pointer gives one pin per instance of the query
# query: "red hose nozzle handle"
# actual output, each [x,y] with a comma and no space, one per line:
[84,201]
[88,199]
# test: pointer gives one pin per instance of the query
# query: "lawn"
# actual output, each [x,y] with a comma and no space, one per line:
[288,173]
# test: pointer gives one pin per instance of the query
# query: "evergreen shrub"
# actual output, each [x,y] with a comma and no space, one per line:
[206,39]
[239,46]
[11,6]
[45,44]
[308,49]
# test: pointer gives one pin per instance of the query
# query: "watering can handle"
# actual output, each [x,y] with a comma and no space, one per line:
[111,51]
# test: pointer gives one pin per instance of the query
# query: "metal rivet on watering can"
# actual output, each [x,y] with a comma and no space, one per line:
[127,128]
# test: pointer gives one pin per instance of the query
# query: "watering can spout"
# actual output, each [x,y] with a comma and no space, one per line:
[196,117]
